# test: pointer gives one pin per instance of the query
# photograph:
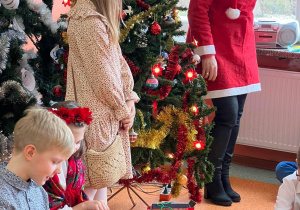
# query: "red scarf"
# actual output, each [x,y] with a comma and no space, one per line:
[74,194]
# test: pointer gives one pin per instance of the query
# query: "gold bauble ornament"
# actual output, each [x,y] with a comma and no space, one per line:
[182,179]
[145,169]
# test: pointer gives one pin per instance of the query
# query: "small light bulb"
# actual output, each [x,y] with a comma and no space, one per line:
[194,108]
[190,74]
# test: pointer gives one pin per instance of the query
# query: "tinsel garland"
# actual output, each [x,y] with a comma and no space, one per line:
[140,114]
[200,131]
[188,54]
[185,100]
[46,15]
[28,55]
[142,4]
[198,124]
[4,50]
[134,69]
[5,39]
[170,116]
[152,138]
[182,141]
[170,74]
[176,188]
[163,92]
[193,188]
[157,175]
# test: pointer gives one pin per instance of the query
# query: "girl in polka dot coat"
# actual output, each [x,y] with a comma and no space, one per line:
[99,78]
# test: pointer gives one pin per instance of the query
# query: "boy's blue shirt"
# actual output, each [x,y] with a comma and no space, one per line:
[19,194]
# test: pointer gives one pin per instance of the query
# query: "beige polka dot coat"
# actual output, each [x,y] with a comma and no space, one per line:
[100,78]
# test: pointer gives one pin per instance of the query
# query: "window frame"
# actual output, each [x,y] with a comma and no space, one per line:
[298,11]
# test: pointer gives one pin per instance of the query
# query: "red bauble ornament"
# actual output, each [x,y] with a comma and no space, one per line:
[57,91]
[124,15]
[152,82]
[155,28]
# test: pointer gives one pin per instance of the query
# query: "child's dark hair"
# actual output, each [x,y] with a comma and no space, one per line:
[72,105]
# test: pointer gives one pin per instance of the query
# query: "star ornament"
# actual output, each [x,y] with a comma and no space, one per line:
[157,70]
[66,3]
[198,145]
[190,74]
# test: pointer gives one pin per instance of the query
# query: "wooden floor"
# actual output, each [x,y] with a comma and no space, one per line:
[255,196]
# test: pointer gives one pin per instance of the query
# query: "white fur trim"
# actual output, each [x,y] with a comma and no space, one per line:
[233,91]
[10,4]
[205,50]
[233,13]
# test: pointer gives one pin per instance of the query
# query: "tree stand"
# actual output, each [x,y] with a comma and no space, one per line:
[128,190]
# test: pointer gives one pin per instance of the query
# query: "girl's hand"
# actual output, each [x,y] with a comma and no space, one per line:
[127,122]
[209,68]
[91,205]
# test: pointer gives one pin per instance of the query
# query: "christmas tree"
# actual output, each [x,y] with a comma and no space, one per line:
[24,74]
[170,125]
[170,122]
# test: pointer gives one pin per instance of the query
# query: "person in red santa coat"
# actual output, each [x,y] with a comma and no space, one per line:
[223,32]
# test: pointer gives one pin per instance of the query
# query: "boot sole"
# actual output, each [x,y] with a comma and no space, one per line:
[221,203]
[236,200]
[217,202]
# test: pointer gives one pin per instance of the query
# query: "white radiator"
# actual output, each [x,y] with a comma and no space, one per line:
[271,117]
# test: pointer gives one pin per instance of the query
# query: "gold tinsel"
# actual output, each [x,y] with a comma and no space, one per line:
[65,37]
[176,188]
[140,114]
[172,118]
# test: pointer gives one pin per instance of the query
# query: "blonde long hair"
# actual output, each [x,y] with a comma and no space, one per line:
[112,10]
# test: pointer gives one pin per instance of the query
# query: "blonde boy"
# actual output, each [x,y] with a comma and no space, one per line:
[42,141]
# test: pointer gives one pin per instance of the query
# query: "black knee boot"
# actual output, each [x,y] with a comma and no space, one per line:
[216,193]
[226,118]
[235,197]
[215,190]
